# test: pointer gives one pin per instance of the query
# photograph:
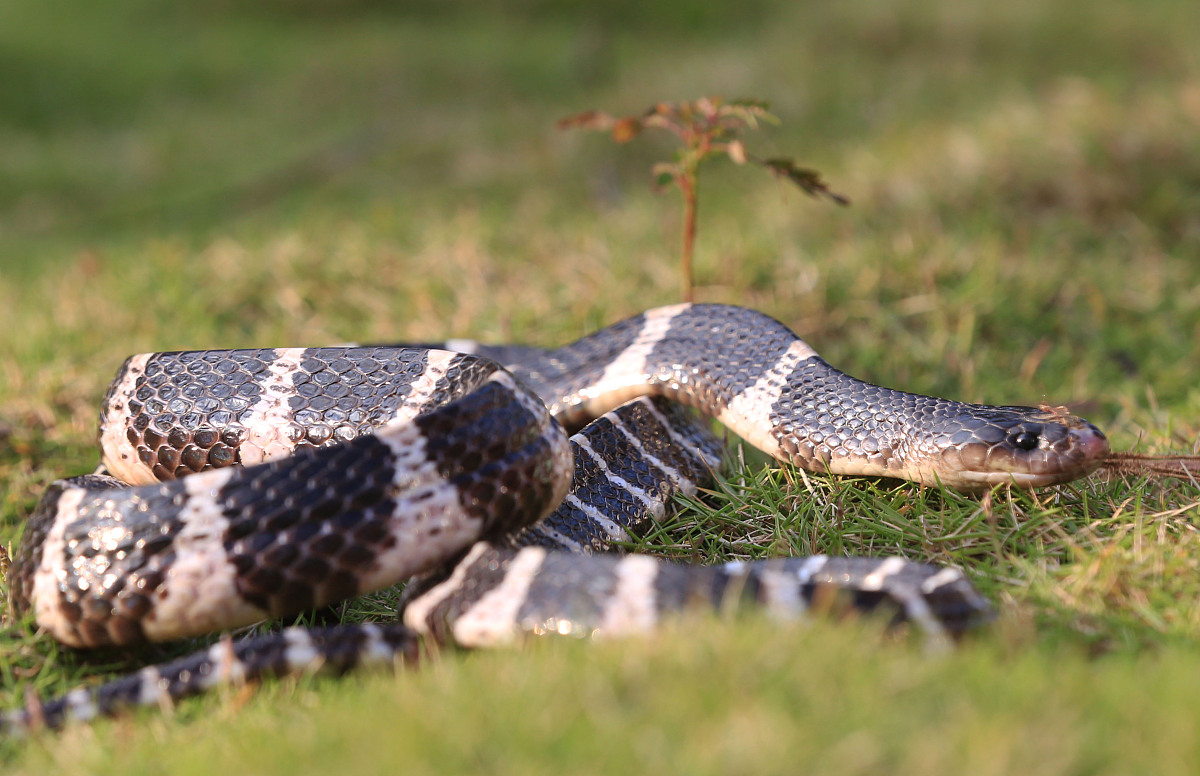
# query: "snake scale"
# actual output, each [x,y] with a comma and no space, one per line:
[360,467]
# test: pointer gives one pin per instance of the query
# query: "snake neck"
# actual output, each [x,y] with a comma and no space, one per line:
[767,385]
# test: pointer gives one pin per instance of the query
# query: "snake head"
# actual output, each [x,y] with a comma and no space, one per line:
[1025,446]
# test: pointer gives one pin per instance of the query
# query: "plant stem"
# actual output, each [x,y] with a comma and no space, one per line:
[687,186]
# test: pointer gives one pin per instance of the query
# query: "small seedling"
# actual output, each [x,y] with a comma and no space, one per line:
[707,127]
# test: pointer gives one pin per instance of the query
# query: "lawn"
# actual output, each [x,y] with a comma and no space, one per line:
[1024,228]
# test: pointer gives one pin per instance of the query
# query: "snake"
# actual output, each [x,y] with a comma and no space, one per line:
[248,485]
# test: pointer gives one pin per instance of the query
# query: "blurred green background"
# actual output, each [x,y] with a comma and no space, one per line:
[136,119]
[1026,177]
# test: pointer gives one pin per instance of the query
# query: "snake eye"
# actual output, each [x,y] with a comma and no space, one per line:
[1025,440]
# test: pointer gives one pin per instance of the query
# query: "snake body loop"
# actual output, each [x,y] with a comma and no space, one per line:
[232,546]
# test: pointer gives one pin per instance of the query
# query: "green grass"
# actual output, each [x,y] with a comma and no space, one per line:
[1025,228]
[798,702]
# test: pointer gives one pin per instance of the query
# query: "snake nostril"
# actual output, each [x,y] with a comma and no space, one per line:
[1025,440]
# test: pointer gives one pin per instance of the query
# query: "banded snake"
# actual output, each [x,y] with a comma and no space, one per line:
[360,467]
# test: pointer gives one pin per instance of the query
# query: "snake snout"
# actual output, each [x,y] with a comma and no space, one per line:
[1026,446]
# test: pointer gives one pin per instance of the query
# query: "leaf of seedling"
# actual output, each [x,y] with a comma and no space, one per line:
[664,175]
[589,119]
[626,129]
[807,180]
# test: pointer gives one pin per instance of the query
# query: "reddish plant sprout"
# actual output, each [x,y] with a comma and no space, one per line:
[707,127]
